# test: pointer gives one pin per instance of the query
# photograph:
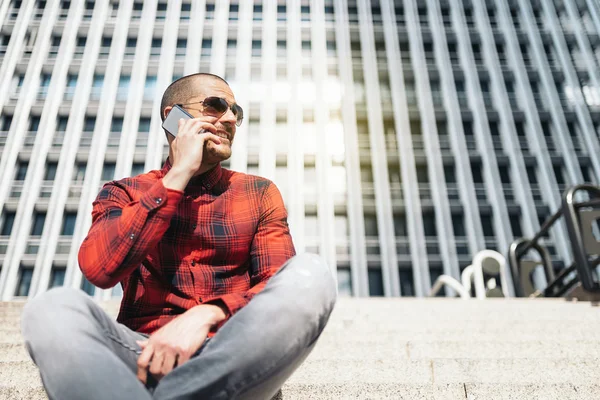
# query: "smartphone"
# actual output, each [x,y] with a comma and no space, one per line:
[171,123]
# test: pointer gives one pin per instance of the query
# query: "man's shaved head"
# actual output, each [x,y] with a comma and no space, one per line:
[183,89]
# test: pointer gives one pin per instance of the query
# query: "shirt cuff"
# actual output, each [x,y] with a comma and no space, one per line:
[158,196]
[232,303]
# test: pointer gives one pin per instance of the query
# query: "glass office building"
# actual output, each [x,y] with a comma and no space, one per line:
[404,135]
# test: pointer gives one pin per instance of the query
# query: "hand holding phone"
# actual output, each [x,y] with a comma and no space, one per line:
[191,138]
[171,123]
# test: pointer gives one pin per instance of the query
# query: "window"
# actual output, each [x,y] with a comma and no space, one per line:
[70,89]
[21,170]
[206,47]
[487,225]
[61,123]
[137,10]
[116,124]
[186,9]
[39,218]
[130,47]
[233,12]
[375,282]
[458,224]
[89,123]
[137,168]
[123,89]
[210,7]
[476,171]
[331,48]
[257,12]
[5,122]
[87,286]
[50,172]
[156,45]
[97,87]
[108,171]
[57,277]
[7,223]
[68,224]
[161,11]
[450,174]
[34,123]
[78,53]
[281,47]
[305,13]
[406,282]
[64,9]
[281,11]
[105,49]
[16,85]
[515,224]
[150,87]
[429,223]
[559,174]
[371,226]
[344,279]
[504,174]
[256,48]
[79,171]
[144,125]
[25,275]
[181,48]
[400,228]
[44,83]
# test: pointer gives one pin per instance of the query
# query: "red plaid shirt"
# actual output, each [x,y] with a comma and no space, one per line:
[217,242]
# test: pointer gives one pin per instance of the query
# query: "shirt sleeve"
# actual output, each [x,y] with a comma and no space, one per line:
[123,231]
[271,247]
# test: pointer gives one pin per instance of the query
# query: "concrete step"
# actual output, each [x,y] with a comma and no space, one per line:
[414,349]
[382,371]
[459,334]
[373,391]
[363,349]
[442,371]
[401,309]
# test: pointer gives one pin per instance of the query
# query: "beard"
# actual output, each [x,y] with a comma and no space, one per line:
[214,153]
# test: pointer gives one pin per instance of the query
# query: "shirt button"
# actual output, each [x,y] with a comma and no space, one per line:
[208,185]
[159,200]
[193,263]
[131,236]
[194,226]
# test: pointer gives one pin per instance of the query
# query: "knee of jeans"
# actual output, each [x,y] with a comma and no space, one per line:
[51,308]
[317,284]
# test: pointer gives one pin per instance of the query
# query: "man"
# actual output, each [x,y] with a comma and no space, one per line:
[201,252]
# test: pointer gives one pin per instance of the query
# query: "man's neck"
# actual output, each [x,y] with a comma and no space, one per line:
[205,168]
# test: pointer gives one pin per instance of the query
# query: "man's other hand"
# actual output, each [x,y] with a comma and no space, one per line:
[176,342]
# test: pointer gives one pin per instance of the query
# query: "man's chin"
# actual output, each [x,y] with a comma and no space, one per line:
[216,154]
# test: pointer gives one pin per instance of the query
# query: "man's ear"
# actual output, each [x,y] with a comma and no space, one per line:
[166,111]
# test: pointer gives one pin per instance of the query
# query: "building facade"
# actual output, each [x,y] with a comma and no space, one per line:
[404,135]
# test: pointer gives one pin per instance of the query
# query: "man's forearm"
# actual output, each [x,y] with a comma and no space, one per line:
[210,314]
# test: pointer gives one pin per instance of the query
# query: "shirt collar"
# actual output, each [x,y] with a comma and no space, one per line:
[208,180]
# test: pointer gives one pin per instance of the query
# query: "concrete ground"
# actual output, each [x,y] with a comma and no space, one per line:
[402,348]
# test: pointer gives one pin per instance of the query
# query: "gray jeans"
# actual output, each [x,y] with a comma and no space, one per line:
[82,353]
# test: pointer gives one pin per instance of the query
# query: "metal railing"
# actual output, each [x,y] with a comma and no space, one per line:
[481,276]
[580,279]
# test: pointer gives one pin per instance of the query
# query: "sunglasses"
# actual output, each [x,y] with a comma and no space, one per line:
[217,106]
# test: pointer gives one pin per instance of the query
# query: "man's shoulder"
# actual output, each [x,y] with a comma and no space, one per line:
[134,184]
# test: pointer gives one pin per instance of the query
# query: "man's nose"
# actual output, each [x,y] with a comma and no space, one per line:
[228,117]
